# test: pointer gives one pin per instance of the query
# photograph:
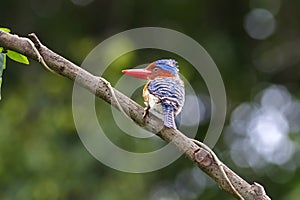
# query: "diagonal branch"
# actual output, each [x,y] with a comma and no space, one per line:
[204,158]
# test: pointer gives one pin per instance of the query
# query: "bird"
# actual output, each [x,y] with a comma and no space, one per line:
[164,92]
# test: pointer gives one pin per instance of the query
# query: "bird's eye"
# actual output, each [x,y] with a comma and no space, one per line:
[156,69]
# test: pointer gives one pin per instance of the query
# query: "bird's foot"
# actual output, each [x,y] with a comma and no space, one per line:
[146,112]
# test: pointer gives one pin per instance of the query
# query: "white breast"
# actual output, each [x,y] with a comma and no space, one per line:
[154,103]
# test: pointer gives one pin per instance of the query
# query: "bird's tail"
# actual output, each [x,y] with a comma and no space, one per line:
[169,117]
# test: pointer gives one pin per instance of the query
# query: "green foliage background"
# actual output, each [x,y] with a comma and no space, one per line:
[41,155]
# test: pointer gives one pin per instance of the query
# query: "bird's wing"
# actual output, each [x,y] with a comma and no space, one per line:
[170,91]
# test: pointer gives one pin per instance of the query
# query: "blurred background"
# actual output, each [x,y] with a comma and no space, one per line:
[255,45]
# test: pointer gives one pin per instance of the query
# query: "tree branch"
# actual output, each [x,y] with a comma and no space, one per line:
[200,155]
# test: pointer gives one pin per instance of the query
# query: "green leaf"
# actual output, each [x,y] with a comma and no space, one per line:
[2,67]
[2,63]
[17,57]
[7,30]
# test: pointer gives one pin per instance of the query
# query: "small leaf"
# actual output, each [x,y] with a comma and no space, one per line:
[7,30]
[2,63]
[2,67]
[0,86]
[17,57]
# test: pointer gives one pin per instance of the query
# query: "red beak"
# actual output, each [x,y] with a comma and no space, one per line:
[137,73]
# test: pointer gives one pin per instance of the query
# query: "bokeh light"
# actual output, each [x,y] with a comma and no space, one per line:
[260,130]
[259,23]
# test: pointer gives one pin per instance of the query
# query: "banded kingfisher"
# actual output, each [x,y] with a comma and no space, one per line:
[164,92]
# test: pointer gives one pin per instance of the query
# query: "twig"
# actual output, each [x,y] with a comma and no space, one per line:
[34,38]
[220,165]
[111,89]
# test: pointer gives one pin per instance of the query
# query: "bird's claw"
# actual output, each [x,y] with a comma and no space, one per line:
[146,112]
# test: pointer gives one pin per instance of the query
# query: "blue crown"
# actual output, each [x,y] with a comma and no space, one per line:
[168,64]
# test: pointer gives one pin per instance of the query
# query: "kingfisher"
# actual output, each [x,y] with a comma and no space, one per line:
[164,91]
